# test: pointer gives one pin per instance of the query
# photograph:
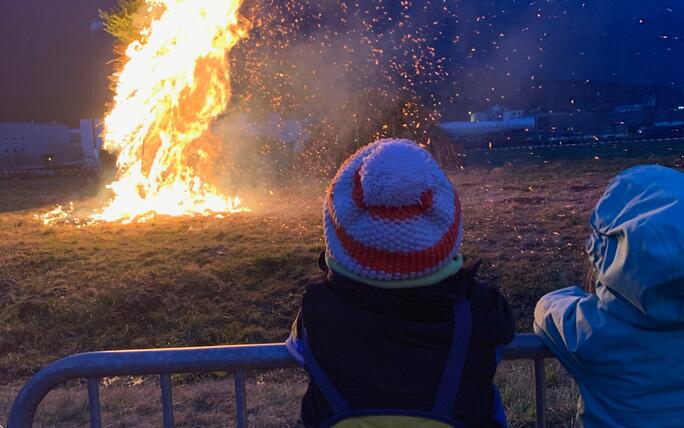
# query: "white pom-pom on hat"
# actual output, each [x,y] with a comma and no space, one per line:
[396,173]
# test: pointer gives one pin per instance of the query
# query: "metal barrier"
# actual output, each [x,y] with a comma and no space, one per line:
[163,362]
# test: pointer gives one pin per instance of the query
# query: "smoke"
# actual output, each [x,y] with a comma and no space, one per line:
[317,80]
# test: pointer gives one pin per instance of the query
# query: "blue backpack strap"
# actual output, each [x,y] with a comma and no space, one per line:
[337,403]
[451,377]
[499,412]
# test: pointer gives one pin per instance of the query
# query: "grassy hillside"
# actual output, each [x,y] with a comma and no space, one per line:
[204,281]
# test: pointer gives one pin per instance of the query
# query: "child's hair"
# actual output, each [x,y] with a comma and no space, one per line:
[590,279]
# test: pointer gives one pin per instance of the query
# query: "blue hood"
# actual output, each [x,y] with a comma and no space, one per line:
[637,246]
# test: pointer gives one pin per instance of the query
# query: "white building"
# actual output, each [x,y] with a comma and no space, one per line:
[493,121]
[40,146]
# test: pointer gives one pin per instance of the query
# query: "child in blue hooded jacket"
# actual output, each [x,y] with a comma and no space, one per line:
[623,345]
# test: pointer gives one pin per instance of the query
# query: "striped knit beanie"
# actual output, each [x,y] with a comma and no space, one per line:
[392,214]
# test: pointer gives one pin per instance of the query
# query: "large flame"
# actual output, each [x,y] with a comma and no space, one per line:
[175,82]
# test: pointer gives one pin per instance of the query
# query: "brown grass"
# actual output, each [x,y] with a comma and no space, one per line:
[204,281]
[273,400]
[197,404]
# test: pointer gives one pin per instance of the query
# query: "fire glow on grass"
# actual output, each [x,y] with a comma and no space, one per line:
[174,83]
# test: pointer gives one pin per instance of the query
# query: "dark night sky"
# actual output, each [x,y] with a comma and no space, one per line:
[639,41]
[53,66]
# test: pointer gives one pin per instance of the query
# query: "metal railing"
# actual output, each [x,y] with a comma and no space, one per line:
[163,362]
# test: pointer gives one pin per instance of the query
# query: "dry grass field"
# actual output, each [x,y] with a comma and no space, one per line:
[205,281]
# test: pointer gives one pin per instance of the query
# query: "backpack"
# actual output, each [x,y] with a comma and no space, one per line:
[441,414]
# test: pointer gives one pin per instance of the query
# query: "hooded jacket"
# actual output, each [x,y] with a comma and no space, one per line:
[624,345]
[387,348]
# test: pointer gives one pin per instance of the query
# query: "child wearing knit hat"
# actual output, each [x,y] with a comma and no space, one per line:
[400,333]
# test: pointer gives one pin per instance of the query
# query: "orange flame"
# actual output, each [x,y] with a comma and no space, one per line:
[175,82]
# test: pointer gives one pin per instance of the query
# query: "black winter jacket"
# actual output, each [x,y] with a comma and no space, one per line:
[386,348]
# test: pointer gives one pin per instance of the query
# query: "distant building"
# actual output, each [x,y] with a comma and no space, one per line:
[513,115]
[43,146]
[629,108]
[649,103]
[497,121]
[495,113]
[568,112]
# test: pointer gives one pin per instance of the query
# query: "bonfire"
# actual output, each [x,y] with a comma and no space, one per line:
[174,83]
